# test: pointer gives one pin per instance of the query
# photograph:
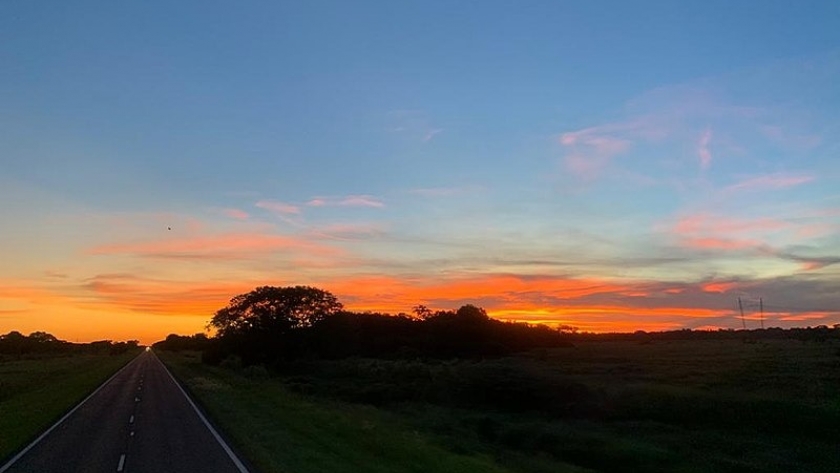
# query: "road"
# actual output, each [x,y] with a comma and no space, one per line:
[140,421]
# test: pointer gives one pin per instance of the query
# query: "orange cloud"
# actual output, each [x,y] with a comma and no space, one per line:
[803,316]
[719,287]
[163,297]
[385,292]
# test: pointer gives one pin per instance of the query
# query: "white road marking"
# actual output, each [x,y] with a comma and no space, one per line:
[131,420]
[227,449]
[122,463]
[132,433]
[136,399]
[46,432]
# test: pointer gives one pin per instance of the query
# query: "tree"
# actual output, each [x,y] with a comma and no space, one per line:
[42,337]
[472,314]
[422,312]
[270,310]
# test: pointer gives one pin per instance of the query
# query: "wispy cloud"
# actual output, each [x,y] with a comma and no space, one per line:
[431,134]
[347,201]
[769,182]
[224,247]
[591,150]
[281,208]
[703,149]
[164,296]
[412,124]
[235,214]
[348,231]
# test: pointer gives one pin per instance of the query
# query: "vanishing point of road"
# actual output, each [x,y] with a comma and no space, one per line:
[139,421]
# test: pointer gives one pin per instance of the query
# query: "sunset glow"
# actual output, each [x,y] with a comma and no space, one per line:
[576,170]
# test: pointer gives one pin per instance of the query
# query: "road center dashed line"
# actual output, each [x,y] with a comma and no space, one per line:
[121,464]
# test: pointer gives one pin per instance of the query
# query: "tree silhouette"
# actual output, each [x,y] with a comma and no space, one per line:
[275,310]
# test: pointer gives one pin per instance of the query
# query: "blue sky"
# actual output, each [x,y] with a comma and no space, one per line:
[419,152]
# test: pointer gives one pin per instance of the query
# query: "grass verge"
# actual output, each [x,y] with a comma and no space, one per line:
[34,393]
[280,431]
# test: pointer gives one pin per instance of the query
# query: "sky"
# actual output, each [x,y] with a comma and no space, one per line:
[609,165]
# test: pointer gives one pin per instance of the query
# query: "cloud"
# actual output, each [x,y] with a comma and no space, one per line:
[659,131]
[236,214]
[591,150]
[703,149]
[709,231]
[769,182]
[278,207]
[412,124]
[224,247]
[347,201]
[348,231]
[165,296]
[431,134]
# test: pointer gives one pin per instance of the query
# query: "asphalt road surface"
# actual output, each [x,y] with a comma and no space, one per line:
[140,421]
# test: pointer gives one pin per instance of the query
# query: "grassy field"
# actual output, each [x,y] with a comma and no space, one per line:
[686,406]
[35,392]
[280,431]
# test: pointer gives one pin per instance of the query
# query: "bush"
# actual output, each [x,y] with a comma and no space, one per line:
[256,372]
[231,362]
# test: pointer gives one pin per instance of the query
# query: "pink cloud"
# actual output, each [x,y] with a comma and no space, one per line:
[591,153]
[711,243]
[709,224]
[770,181]
[708,231]
[278,207]
[236,214]
[591,150]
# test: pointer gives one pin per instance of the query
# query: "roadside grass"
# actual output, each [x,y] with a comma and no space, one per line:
[672,406]
[36,392]
[280,431]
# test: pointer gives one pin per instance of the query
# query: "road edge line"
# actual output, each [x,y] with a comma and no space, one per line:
[216,435]
[29,447]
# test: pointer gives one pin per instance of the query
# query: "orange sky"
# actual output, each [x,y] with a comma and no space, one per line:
[121,306]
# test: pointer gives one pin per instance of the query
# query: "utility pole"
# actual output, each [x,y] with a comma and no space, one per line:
[761,307]
[741,308]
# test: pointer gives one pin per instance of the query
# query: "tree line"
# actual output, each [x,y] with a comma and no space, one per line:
[16,344]
[274,324]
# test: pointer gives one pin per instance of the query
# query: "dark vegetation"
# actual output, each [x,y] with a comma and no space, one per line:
[541,399]
[15,345]
[271,325]
[41,377]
